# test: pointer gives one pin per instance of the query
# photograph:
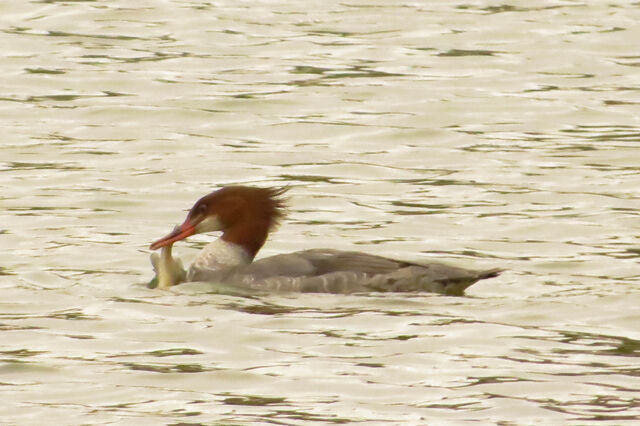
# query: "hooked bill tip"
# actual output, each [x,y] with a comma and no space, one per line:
[179,233]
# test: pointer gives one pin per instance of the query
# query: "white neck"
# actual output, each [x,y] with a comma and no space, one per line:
[221,254]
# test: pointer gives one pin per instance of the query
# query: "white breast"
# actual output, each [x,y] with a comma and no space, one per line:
[219,255]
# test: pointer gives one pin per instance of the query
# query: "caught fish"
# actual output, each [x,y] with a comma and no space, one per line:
[169,270]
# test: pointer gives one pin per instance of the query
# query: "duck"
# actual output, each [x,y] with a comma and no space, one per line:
[246,215]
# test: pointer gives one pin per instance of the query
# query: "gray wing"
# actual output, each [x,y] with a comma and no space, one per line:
[322,261]
[336,271]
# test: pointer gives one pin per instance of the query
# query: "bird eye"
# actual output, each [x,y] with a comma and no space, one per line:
[202,208]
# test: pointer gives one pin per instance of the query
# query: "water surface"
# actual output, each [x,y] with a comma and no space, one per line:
[477,133]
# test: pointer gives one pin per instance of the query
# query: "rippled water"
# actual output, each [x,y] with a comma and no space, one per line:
[484,134]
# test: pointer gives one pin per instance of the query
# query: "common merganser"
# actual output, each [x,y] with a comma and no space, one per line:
[246,215]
